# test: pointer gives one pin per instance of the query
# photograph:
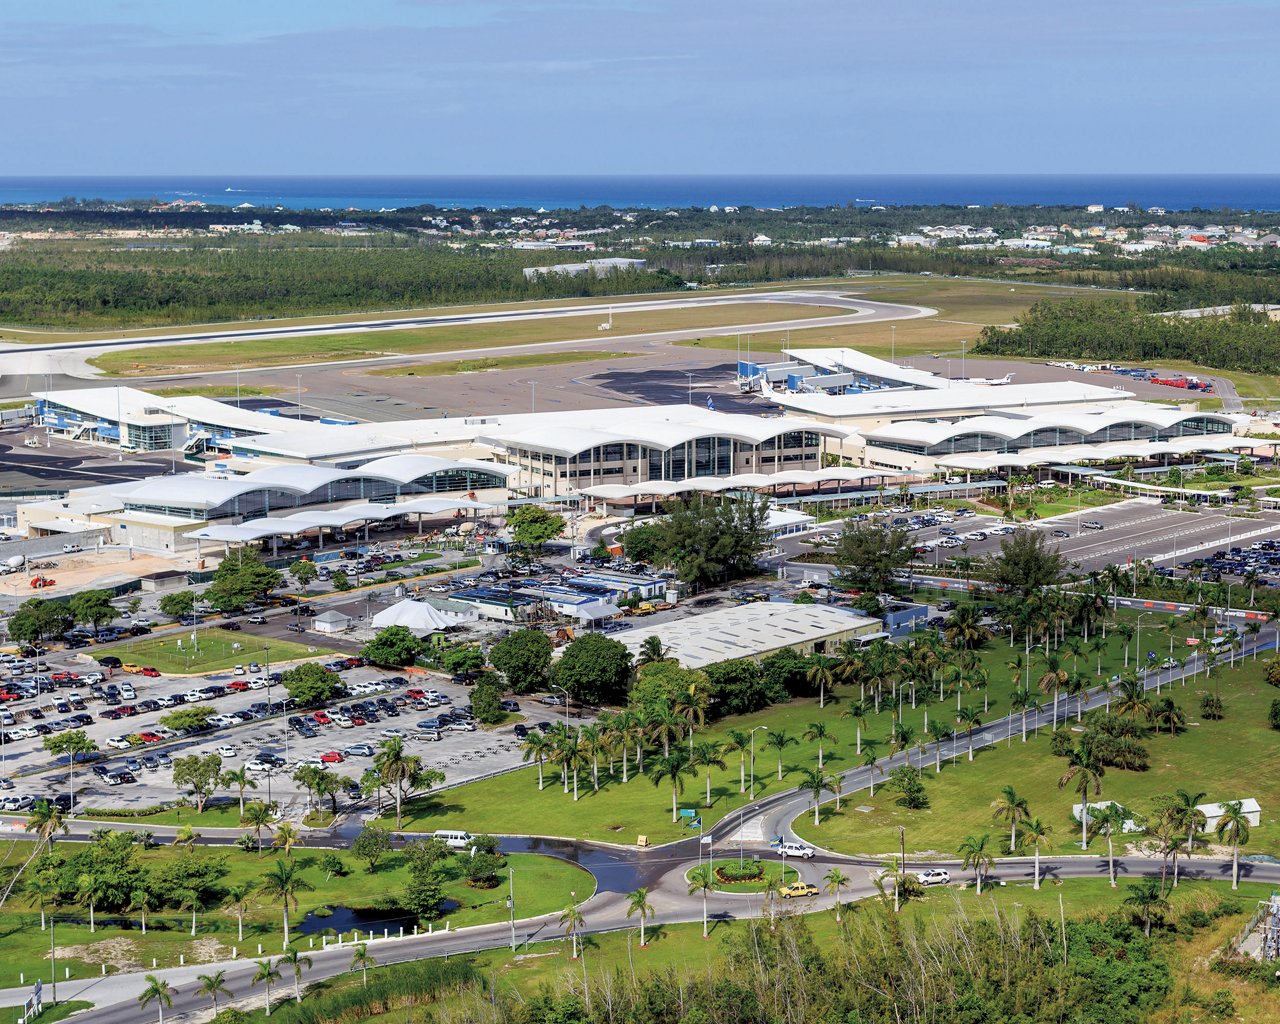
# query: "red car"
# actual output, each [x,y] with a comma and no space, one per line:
[65,677]
[322,718]
[6,695]
[357,720]
[150,737]
[151,672]
[415,694]
[332,757]
[237,684]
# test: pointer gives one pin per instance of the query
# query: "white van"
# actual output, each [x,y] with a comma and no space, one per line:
[454,838]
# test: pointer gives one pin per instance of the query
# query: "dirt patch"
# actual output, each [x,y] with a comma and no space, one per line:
[121,954]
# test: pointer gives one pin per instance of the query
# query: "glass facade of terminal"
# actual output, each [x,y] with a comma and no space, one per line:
[1046,437]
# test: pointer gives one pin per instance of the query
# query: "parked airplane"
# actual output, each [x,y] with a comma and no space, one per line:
[993,382]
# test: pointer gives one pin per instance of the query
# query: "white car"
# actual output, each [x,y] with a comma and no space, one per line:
[342,722]
[194,696]
[165,702]
[227,750]
[238,670]
[256,620]
[118,743]
[258,683]
[391,732]
[224,720]
[313,762]
[461,727]
[143,622]
[934,876]
[796,850]
[256,767]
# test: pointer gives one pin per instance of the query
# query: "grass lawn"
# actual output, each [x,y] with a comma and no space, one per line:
[218,649]
[50,1014]
[1071,503]
[499,363]
[512,803]
[964,308]
[159,359]
[218,391]
[543,885]
[1228,760]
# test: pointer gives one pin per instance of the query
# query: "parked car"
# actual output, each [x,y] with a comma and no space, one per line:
[798,890]
[796,850]
[934,876]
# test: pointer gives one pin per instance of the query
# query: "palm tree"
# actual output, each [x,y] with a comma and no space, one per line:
[1147,899]
[282,884]
[821,676]
[1233,827]
[212,986]
[267,973]
[186,837]
[815,781]
[89,889]
[46,820]
[1014,809]
[701,880]
[836,881]
[1166,713]
[1188,815]
[708,755]
[651,650]
[1035,832]
[241,780]
[627,726]
[673,766]
[1098,647]
[971,718]
[159,990]
[665,725]
[738,742]
[1052,680]
[192,900]
[941,733]
[571,920]
[858,711]
[1087,771]
[258,816]
[977,856]
[638,904]
[963,628]
[536,746]
[361,959]
[40,890]
[780,740]
[1131,698]
[395,768]
[818,731]
[286,838]
[870,761]
[140,900]
[1109,820]
[591,740]
[298,962]
[237,903]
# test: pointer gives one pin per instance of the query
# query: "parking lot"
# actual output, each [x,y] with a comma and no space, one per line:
[459,754]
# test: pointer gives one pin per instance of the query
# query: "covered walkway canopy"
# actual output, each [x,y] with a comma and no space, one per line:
[336,518]
[738,482]
[1098,452]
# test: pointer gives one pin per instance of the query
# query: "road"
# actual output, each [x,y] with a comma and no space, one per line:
[618,870]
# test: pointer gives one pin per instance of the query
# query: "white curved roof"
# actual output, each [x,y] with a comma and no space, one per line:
[1062,454]
[741,481]
[403,469]
[1009,428]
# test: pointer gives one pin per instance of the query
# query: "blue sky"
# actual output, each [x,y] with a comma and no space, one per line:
[637,86]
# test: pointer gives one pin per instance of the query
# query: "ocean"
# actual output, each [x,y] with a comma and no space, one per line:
[1174,192]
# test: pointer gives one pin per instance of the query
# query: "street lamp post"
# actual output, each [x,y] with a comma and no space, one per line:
[511,904]
[298,377]
[1141,616]
[753,757]
[566,702]
[690,376]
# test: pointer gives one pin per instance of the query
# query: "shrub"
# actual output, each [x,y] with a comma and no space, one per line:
[230,1016]
[1273,716]
[1212,708]
[748,871]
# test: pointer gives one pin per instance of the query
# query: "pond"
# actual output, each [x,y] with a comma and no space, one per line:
[366,919]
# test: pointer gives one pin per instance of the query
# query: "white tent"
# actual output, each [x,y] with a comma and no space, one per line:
[421,618]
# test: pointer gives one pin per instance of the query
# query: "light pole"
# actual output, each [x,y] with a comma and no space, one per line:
[1138,652]
[690,376]
[511,904]
[533,396]
[753,757]
[566,702]
[893,330]
[298,377]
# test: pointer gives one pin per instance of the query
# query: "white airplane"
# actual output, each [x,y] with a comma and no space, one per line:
[992,382]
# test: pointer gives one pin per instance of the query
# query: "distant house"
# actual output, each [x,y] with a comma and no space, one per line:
[331,622]
[1252,811]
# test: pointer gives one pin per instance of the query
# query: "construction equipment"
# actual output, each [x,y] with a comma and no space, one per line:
[564,635]
[40,582]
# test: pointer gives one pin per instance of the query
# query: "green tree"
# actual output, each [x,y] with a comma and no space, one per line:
[304,571]
[1086,771]
[269,975]
[1147,901]
[524,658]
[638,905]
[1027,563]
[868,556]
[1233,827]
[463,659]
[74,745]
[240,578]
[976,855]
[594,669]
[486,700]
[362,961]
[1032,833]
[187,718]
[309,684]
[283,884]
[532,526]
[258,816]
[908,781]
[46,820]
[37,619]
[158,991]
[672,767]
[779,740]
[393,647]
[836,881]
[297,963]
[1014,809]
[239,779]
[92,607]
[199,775]
[701,880]
[178,604]
[212,986]
[371,845]
[814,781]
[340,580]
